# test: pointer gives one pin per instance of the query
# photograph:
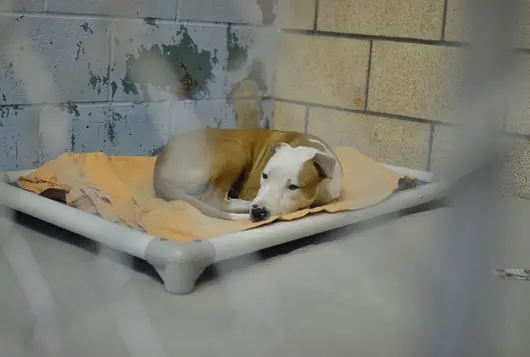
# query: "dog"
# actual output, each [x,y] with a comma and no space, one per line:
[241,174]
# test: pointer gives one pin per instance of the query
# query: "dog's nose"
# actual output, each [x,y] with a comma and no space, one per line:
[258,213]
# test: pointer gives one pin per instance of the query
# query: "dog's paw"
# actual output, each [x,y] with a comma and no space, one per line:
[238,216]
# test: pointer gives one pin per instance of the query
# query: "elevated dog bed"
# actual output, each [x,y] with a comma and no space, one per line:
[111,200]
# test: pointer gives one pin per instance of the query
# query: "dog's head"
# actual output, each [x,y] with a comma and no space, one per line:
[291,180]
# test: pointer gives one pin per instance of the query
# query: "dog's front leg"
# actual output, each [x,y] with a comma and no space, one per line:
[228,205]
[216,196]
[239,206]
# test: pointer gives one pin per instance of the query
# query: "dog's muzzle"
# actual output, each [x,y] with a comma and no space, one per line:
[258,214]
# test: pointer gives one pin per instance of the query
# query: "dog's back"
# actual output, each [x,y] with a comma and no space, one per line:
[194,158]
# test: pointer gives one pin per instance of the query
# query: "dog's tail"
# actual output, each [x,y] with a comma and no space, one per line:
[169,193]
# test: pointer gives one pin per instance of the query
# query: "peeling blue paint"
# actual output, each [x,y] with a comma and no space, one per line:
[155,151]
[237,53]
[114,88]
[80,50]
[96,81]
[215,58]
[70,108]
[151,21]
[110,125]
[72,142]
[8,69]
[5,111]
[128,86]
[86,28]
[193,67]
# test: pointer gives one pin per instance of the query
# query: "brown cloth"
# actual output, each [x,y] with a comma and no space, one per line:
[120,189]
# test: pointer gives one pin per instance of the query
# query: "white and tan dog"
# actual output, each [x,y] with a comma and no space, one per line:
[248,173]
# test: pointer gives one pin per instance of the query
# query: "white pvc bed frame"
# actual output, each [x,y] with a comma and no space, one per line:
[180,264]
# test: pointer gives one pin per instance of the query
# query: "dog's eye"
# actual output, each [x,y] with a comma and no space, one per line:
[264,176]
[293,187]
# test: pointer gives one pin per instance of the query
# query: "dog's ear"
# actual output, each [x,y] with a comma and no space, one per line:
[274,148]
[325,164]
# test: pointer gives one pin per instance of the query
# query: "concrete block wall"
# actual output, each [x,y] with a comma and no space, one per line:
[381,75]
[120,76]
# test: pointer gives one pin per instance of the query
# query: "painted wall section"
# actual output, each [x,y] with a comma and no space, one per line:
[121,76]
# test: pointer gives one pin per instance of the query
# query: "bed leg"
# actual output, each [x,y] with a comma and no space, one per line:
[180,278]
[180,265]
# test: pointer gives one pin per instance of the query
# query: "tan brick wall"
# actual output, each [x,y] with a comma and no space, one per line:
[396,18]
[414,80]
[323,70]
[297,14]
[399,142]
[383,75]
[291,117]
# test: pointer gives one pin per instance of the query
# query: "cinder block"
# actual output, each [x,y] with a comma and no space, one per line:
[455,21]
[255,12]
[128,129]
[53,60]
[267,112]
[154,62]
[391,141]
[242,113]
[19,137]
[517,171]
[397,18]
[457,24]
[55,130]
[297,14]
[290,117]
[164,9]
[251,61]
[192,115]
[21,5]
[119,129]
[518,116]
[414,80]
[443,148]
[252,113]
[322,70]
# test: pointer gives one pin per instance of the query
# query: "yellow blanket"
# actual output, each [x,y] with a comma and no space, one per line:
[120,189]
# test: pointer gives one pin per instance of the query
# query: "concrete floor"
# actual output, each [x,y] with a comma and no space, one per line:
[364,291]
